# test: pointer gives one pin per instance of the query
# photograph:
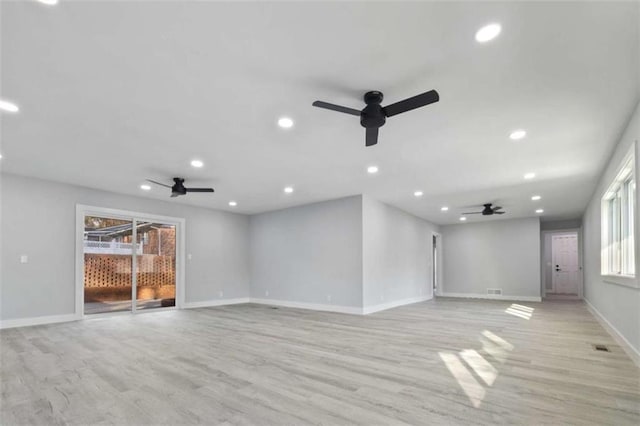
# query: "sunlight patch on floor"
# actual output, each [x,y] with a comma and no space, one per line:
[474,390]
[497,340]
[481,366]
[469,365]
[520,311]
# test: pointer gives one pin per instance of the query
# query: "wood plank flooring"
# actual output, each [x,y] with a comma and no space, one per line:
[447,361]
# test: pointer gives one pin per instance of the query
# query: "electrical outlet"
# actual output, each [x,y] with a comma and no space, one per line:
[266,293]
[189,256]
[220,293]
[328,298]
[381,297]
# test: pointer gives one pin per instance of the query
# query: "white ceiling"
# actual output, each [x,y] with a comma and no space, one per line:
[112,93]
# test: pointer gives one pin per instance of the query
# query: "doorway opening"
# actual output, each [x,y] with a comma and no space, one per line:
[127,262]
[562,270]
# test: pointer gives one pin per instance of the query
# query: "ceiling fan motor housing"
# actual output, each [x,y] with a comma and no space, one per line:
[488,211]
[373,116]
[178,188]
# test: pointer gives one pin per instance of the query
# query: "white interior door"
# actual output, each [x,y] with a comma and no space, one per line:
[564,250]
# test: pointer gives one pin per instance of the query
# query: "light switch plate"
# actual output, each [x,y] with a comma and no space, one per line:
[24,258]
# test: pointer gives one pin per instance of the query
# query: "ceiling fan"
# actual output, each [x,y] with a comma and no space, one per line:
[488,210]
[178,187]
[374,115]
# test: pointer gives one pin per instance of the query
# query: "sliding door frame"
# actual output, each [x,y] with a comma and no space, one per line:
[85,210]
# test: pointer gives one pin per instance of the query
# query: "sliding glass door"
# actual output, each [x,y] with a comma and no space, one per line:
[128,264]
[156,266]
[108,249]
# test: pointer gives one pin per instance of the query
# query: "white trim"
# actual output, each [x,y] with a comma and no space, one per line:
[629,160]
[51,319]
[384,306]
[494,297]
[218,302]
[312,306]
[353,310]
[633,353]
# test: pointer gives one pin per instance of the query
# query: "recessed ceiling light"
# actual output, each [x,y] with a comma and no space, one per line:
[233,203]
[444,208]
[197,163]
[8,106]
[49,2]
[372,169]
[488,33]
[418,194]
[288,190]
[529,175]
[536,198]
[145,187]
[517,134]
[540,211]
[463,218]
[285,122]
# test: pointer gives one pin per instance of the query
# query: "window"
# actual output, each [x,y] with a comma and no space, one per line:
[618,218]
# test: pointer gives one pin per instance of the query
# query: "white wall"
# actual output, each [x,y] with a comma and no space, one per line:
[495,254]
[38,219]
[310,254]
[396,255]
[618,304]
[560,225]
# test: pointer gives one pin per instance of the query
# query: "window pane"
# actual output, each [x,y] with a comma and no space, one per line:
[107,264]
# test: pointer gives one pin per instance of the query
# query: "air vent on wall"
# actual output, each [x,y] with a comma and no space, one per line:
[494,291]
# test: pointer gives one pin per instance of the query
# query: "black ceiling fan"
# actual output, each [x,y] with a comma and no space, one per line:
[374,115]
[178,187]
[488,210]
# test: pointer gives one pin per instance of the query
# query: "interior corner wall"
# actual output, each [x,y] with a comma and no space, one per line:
[309,255]
[494,254]
[397,255]
[617,304]
[38,220]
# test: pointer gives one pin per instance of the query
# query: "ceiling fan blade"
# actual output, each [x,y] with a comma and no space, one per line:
[496,208]
[411,103]
[175,194]
[158,183]
[372,136]
[334,107]
[199,189]
[473,213]
[498,212]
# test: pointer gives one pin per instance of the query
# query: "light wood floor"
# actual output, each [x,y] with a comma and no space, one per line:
[438,362]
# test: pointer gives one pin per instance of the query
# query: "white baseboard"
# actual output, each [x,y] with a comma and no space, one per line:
[633,353]
[384,306]
[50,319]
[353,310]
[493,297]
[312,306]
[217,302]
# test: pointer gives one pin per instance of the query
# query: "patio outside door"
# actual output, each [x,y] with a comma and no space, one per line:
[107,249]
[129,264]
[156,266]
